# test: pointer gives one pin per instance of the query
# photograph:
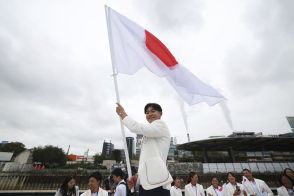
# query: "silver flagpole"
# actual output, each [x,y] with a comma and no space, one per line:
[117,93]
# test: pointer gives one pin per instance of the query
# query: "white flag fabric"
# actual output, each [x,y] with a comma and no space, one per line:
[133,48]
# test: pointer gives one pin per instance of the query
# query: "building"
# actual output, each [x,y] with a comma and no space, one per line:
[139,139]
[25,157]
[172,148]
[107,148]
[290,120]
[5,156]
[261,154]
[130,145]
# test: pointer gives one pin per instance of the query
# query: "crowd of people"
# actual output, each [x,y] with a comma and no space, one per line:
[119,185]
[153,177]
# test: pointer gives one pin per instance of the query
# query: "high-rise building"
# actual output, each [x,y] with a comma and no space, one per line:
[172,148]
[139,139]
[107,148]
[290,120]
[130,145]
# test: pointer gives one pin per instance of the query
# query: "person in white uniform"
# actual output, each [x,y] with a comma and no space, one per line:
[175,190]
[215,189]
[154,178]
[193,188]
[94,184]
[68,187]
[254,186]
[118,178]
[287,188]
[233,188]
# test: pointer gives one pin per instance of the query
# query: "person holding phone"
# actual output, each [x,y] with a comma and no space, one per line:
[233,188]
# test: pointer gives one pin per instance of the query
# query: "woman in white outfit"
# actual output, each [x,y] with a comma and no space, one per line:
[233,188]
[287,188]
[193,188]
[215,189]
[68,187]
[175,190]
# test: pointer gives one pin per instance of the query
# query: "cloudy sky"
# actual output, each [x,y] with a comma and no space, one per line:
[55,69]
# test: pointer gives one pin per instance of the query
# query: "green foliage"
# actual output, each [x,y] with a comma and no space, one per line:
[15,147]
[50,156]
[98,159]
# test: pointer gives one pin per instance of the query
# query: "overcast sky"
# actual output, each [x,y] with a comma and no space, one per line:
[55,69]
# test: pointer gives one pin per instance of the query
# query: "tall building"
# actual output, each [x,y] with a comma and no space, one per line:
[172,148]
[107,148]
[130,145]
[290,120]
[139,139]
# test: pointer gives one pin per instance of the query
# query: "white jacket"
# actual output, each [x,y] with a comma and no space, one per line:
[58,193]
[282,191]
[210,190]
[152,170]
[174,191]
[261,185]
[230,189]
[101,192]
[190,192]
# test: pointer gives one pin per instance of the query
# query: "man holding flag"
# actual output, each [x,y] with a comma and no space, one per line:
[132,48]
[154,178]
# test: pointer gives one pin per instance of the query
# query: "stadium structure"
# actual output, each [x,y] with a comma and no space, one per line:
[265,155]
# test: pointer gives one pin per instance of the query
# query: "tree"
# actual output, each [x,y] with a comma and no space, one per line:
[98,159]
[49,156]
[15,147]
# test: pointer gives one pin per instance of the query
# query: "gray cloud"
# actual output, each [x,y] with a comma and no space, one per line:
[269,61]
[56,88]
[173,15]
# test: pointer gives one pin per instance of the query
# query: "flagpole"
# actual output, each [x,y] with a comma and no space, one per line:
[117,95]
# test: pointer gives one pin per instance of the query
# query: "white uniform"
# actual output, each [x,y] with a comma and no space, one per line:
[282,191]
[257,187]
[230,189]
[175,191]
[191,190]
[121,189]
[58,193]
[152,170]
[101,192]
[215,192]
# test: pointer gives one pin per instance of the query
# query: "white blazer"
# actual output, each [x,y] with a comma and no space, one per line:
[174,191]
[101,192]
[58,192]
[261,185]
[282,191]
[152,170]
[190,192]
[210,190]
[230,189]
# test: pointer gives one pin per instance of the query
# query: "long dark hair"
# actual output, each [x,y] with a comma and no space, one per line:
[191,175]
[64,187]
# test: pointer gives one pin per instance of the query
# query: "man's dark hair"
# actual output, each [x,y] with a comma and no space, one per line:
[246,170]
[118,172]
[97,176]
[154,106]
